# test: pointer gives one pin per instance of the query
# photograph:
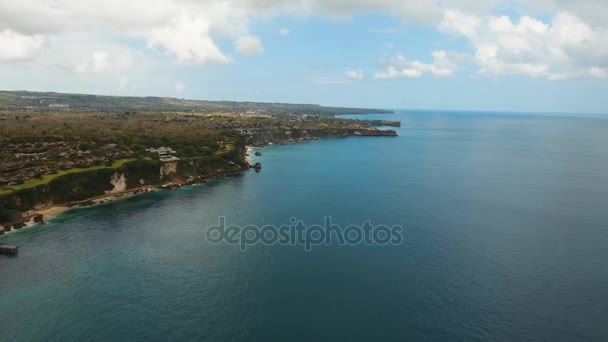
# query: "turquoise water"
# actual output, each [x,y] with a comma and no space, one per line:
[506,238]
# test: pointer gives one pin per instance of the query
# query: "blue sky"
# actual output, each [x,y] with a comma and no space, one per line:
[549,55]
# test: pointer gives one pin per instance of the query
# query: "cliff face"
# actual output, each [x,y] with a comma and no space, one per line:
[168,169]
[71,187]
[119,182]
[85,185]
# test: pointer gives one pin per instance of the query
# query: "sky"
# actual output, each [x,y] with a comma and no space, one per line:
[515,55]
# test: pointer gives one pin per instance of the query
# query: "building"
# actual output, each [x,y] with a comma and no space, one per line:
[164,153]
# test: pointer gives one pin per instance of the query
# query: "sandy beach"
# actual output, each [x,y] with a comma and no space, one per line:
[52,211]
[248,152]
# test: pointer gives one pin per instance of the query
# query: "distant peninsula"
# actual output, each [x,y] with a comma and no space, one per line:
[51,100]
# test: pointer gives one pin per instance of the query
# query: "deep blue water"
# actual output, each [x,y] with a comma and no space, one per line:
[506,238]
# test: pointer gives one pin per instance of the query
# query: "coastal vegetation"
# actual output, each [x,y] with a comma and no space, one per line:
[48,178]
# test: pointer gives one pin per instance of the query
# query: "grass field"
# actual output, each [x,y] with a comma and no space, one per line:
[225,149]
[47,178]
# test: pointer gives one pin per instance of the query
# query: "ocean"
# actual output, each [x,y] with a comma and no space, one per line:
[505,237]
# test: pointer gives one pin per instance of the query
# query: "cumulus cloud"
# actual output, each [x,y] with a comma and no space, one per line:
[187,30]
[249,45]
[188,39]
[566,47]
[101,61]
[572,44]
[16,47]
[190,30]
[401,67]
[457,22]
[593,12]
[355,74]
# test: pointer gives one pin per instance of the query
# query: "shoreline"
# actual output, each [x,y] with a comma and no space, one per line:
[51,211]
[248,151]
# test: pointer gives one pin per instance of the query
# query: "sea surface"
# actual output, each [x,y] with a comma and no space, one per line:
[505,220]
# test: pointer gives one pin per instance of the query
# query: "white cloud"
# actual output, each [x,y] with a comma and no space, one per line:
[355,74]
[457,22]
[188,39]
[249,45]
[443,64]
[572,44]
[593,12]
[599,72]
[566,47]
[401,67]
[284,32]
[102,61]
[190,30]
[16,47]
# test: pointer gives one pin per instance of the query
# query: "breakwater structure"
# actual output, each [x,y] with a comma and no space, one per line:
[8,249]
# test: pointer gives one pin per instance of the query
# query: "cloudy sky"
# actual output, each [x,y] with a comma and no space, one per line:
[524,55]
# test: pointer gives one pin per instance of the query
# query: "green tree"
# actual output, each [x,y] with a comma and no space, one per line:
[189,151]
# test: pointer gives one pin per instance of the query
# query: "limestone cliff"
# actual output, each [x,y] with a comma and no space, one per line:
[168,169]
[119,183]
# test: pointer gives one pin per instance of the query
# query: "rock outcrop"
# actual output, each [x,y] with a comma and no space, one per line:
[119,183]
[167,169]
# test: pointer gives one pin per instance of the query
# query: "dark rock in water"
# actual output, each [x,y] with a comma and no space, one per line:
[18,225]
[258,153]
[257,166]
[6,228]
[39,218]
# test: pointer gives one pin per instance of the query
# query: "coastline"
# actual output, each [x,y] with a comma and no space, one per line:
[248,151]
[48,212]
[51,211]
[42,214]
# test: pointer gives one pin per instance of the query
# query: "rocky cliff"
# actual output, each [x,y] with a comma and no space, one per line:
[77,187]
